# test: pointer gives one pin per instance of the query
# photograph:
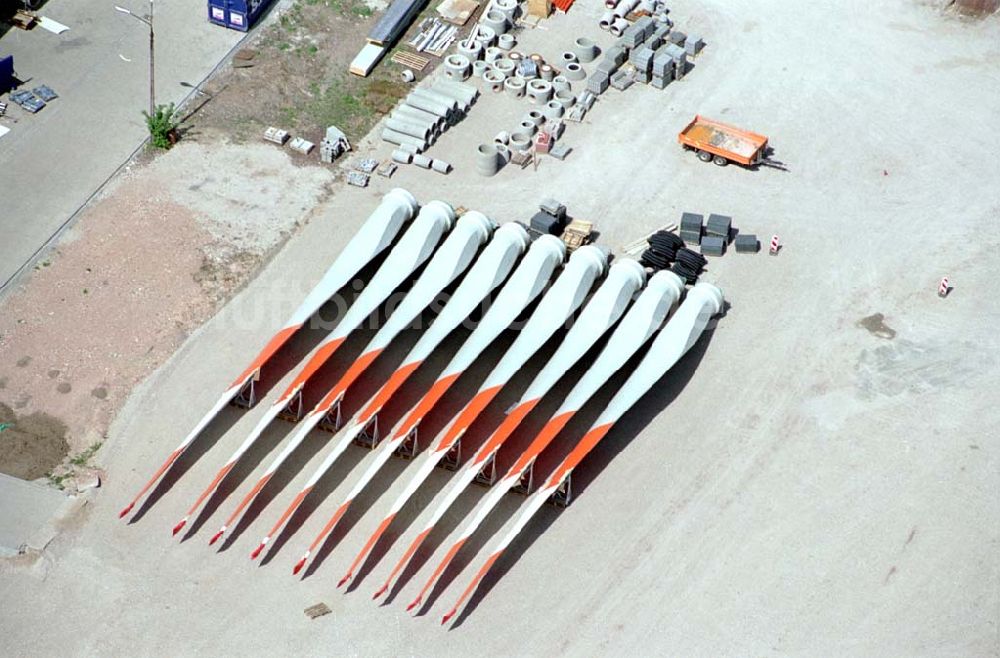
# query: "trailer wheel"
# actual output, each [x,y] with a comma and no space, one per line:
[704,156]
[720,161]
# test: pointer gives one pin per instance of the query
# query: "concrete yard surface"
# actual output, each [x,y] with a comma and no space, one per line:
[817,477]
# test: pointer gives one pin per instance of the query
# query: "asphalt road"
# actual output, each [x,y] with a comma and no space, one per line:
[52,161]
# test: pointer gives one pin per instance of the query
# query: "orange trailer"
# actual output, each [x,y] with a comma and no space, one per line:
[721,143]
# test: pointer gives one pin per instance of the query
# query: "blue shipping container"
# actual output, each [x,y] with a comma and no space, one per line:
[236,14]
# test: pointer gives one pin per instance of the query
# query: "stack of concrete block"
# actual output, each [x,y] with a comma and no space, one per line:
[622,80]
[658,37]
[719,226]
[598,82]
[691,227]
[617,54]
[713,246]
[642,59]
[693,45]
[679,56]
[747,243]
[663,69]
[677,38]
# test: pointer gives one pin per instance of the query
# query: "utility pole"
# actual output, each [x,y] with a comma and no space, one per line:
[148,20]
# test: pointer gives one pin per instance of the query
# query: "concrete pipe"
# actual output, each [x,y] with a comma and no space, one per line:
[508,8]
[560,83]
[607,18]
[537,59]
[586,50]
[487,160]
[457,67]
[610,4]
[567,57]
[411,128]
[618,26]
[471,49]
[394,137]
[535,117]
[407,75]
[453,106]
[515,56]
[501,138]
[527,126]
[493,54]
[504,152]
[565,98]
[496,21]
[407,148]
[623,8]
[402,157]
[411,113]
[480,67]
[514,87]
[539,91]
[505,66]
[463,93]
[574,71]
[506,41]
[422,161]
[439,110]
[546,72]
[520,141]
[440,166]
[494,80]
[553,109]
[486,35]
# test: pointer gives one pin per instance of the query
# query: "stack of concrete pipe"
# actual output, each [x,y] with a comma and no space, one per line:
[426,112]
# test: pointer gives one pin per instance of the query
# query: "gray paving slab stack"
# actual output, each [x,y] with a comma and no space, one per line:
[691,227]
[746,243]
[642,59]
[677,37]
[719,226]
[598,82]
[622,80]
[617,54]
[712,245]
[693,45]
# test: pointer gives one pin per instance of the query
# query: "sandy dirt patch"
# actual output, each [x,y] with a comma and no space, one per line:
[146,264]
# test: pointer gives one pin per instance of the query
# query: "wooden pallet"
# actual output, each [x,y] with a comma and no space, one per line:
[23,19]
[410,61]
[636,247]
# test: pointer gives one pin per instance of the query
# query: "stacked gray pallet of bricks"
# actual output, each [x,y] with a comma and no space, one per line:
[657,55]
[716,238]
[426,113]
[600,79]
[746,243]
[550,218]
[691,224]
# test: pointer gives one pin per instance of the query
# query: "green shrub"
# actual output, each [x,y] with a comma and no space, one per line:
[162,126]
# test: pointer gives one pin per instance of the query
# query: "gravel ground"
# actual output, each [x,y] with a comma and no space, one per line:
[819,475]
[148,263]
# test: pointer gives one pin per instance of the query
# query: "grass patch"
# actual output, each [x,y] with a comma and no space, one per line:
[353,104]
[82,458]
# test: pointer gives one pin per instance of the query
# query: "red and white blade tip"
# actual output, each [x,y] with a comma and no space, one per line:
[298,566]
[256,552]
[180,526]
[343,580]
[216,537]
[125,511]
